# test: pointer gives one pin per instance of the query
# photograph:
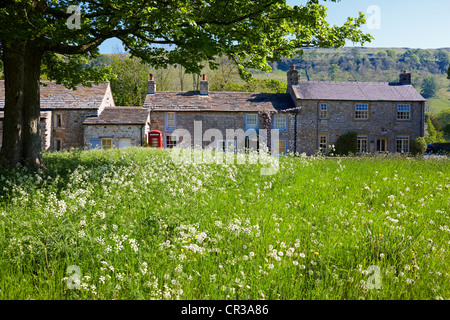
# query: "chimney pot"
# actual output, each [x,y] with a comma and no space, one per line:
[204,86]
[151,85]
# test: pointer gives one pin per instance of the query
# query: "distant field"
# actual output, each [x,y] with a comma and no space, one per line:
[130,224]
[442,102]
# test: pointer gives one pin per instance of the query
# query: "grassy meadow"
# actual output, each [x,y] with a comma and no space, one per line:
[131,224]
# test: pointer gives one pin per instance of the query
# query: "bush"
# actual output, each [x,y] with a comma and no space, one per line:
[347,144]
[419,146]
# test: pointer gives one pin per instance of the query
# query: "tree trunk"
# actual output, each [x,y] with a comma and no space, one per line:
[21,141]
[11,152]
[32,145]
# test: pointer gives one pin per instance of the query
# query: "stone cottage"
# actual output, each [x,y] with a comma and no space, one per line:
[386,116]
[63,112]
[309,118]
[117,127]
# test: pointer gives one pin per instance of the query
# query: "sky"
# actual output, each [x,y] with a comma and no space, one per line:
[392,23]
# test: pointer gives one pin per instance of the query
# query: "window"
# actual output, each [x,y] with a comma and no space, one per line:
[280,122]
[58,144]
[251,121]
[170,121]
[106,143]
[403,112]
[323,111]
[403,144]
[323,143]
[280,147]
[361,111]
[251,143]
[58,120]
[171,141]
[362,144]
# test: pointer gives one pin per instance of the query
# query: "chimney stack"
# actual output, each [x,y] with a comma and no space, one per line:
[151,85]
[292,76]
[204,86]
[405,78]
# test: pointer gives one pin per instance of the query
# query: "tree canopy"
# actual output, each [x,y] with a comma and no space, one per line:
[251,33]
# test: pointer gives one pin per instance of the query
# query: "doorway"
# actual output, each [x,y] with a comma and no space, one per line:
[382,144]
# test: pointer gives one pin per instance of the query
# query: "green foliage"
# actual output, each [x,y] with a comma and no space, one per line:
[433,135]
[419,146]
[347,144]
[443,117]
[429,87]
[446,131]
[72,71]
[140,227]
[129,87]
[251,34]
[254,85]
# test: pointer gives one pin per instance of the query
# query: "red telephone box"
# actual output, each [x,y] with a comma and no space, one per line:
[155,139]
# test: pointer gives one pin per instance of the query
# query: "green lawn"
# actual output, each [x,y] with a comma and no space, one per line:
[131,224]
[441,102]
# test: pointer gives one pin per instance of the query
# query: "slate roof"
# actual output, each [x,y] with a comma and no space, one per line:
[119,116]
[355,91]
[55,96]
[218,101]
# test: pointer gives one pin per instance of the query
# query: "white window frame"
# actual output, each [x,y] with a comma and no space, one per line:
[280,122]
[251,125]
[363,140]
[174,141]
[171,124]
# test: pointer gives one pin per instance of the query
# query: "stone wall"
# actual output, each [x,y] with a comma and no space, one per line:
[71,131]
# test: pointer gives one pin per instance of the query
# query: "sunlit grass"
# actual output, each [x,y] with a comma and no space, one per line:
[140,227]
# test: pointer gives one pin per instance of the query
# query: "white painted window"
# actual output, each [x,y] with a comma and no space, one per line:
[251,121]
[362,143]
[170,121]
[280,121]
[403,144]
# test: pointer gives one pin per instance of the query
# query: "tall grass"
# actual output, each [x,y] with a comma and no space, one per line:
[137,226]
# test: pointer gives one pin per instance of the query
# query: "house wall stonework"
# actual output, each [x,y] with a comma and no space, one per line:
[71,131]
[221,121]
